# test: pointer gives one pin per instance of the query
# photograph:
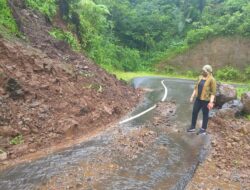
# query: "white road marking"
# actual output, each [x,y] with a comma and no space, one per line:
[149,109]
[166,91]
[138,115]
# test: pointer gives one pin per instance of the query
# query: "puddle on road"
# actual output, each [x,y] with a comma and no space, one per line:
[166,161]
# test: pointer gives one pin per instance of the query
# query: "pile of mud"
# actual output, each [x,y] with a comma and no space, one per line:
[127,146]
[227,166]
[49,93]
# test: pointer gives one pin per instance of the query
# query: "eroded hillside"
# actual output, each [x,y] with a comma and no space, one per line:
[49,93]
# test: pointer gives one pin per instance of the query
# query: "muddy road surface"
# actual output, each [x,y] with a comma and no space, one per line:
[152,151]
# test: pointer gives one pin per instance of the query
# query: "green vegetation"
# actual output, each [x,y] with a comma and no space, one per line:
[241,90]
[95,86]
[135,35]
[7,22]
[162,29]
[232,74]
[247,117]
[127,76]
[17,140]
[67,37]
[227,73]
[48,7]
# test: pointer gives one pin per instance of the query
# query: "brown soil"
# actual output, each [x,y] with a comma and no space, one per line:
[126,145]
[50,95]
[218,52]
[227,166]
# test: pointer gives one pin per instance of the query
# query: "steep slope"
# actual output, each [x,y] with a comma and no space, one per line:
[49,94]
[219,52]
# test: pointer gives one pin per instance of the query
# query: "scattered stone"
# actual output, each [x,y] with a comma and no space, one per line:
[236,139]
[247,147]
[44,87]
[236,107]
[226,113]
[225,93]
[68,126]
[214,143]
[35,104]
[108,110]
[8,131]
[20,148]
[70,187]
[79,185]
[25,130]
[32,150]
[229,145]
[84,110]
[89,179]
[245,98]
[209,160]
[3,155]
[14,89]
[243,130]
[149,133]
[141,144]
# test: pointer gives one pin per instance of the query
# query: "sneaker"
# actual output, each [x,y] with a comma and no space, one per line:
[191,130]
[201,132]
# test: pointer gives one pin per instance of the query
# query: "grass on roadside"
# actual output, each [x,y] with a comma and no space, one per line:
[130,75]
[127,76]
[247,117]
[242,89]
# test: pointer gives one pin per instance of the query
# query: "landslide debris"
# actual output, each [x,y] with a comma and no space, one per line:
[227,166]
[49,93]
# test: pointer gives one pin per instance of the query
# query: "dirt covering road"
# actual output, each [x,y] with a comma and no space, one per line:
[51,95]
[227,167]
[127,145]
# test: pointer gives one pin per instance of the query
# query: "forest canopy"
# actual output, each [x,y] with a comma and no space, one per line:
[132,35]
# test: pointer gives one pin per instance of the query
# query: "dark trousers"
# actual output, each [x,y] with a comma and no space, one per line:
[198,105]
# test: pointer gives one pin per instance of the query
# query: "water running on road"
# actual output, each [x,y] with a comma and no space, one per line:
[154,168]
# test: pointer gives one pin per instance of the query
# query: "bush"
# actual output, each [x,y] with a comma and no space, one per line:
[197,35]
[228,73]
[128,59]
[247,73]
[17,140]
[191,73]
[169,69]
[6,19]
[241,90]
[48,7]
[67,37]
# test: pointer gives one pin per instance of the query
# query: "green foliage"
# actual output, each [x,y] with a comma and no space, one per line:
[192,74]
[96,87]
[7,22]
[241,90]
[232,74]
[131,35]
[17,140]
[47,7]
[169,69]
[228,74]
[247,117]
[196,35]
[247,74]
[67,37]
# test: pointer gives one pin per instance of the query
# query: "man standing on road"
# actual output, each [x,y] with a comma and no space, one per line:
[204,94]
